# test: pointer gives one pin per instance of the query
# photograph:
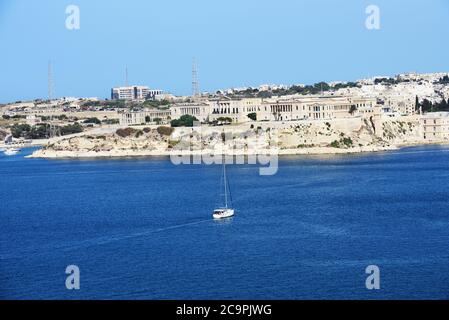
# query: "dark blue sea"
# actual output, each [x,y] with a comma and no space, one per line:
[142,228]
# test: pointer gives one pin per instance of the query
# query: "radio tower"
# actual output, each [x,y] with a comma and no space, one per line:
[50,81]
[126,77]
[195,82]
[52,128]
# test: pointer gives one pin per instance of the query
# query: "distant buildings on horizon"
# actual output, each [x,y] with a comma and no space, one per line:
[134,93]
[374,98]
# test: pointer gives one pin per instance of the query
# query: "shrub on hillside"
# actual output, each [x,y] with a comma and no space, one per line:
[111,121]
[335,144]
[3,134]
[139,133]
[126,132]
[92,121]
[165,131]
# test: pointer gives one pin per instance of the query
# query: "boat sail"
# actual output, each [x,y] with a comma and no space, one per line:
[226,211]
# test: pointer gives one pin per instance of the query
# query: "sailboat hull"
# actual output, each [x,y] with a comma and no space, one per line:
[223,214]
[11,152]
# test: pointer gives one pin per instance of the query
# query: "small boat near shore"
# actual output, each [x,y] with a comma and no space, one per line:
[11,151]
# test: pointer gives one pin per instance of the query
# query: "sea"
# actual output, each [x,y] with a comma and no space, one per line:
[142,228]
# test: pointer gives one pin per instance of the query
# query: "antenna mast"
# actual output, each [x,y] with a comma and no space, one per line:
[50,81]
[126,77]
[225,182]
[195,81]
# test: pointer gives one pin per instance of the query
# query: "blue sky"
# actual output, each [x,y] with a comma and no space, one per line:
[236,43]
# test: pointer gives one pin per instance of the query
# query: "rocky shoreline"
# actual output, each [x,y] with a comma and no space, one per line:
[346,136]
[50,154]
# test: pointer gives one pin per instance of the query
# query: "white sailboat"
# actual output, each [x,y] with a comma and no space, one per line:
[226,211]
[11,151]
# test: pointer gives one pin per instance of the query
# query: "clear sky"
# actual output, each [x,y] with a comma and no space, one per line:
[236,43]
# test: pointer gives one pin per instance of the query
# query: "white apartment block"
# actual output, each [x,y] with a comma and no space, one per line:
[134,93]
[435,126]
[152,94]
[401,105]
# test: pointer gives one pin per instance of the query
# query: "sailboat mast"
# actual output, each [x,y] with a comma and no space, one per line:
[225,182]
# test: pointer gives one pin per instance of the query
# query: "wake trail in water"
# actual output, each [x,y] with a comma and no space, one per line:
[98,241]
[146,233]
[107,240]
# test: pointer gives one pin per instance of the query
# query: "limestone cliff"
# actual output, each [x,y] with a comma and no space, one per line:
[302,137]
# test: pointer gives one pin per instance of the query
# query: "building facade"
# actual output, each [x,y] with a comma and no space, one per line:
[314,108]
[402,105]
[435,126]
[283,109]
[200,110]
[132,118]
[134,93]
[138,118]
[228,108]
[158,115]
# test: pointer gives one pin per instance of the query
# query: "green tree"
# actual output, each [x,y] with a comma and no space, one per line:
[264,94]
[353,109]
[335,144]
[444,80]
[111,121]
[20,130]
[92,121]
[40,131]
[253,116]
[71,129]
[184,121]
[440,106]
[347,142]
[426,105]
